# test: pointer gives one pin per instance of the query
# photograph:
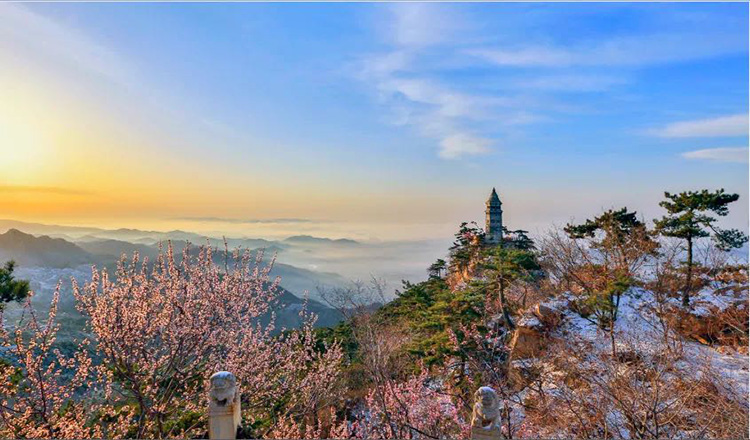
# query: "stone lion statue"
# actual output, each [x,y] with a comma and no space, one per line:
[223,388]
[486,412]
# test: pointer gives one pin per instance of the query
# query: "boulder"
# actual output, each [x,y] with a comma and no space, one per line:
[549,316]
[521,373]
[527,342]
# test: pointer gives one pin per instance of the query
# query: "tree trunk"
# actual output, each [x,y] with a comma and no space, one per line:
[686,293]
[506,315]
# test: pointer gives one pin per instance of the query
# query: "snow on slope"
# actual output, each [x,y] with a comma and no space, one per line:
[638,328]
[638,332]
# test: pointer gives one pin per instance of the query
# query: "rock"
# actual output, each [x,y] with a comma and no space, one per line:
[521,373]
[549,316]
[530,321]
[526,343]
[532,329]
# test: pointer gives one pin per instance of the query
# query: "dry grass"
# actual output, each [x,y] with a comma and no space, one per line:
[583,394]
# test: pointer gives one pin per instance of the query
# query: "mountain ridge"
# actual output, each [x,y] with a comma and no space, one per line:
[44,251]
[29,250]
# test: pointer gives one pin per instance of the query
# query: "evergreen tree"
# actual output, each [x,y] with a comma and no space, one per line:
[518,239]
[688,220]
[504,266]
[11,289]
[469,240]
[615,223]
[621,239]
[621,245]
[437,269]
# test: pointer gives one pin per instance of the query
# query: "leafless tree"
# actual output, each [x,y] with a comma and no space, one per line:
[641,394]
[357,299]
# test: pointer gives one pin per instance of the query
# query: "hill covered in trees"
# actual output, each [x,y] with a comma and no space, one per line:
[583,332]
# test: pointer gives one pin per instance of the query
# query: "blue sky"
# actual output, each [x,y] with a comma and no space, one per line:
[380,120]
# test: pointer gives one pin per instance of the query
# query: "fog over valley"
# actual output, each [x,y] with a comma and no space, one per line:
[304,262]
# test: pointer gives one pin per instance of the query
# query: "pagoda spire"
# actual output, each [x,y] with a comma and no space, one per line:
[494,199]
[493,230]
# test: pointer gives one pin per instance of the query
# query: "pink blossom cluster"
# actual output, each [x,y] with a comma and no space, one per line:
[36,394]
[159,330]
[414,408]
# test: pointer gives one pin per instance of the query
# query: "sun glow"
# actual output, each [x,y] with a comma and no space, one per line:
[24,149]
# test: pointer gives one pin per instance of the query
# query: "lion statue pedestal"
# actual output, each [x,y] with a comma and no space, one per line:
[224,411]
[485,418]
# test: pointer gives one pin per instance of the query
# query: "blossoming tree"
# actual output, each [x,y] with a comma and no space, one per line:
[161,332]
[36,390]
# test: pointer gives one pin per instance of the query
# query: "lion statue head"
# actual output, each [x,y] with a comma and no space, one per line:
[223,388]
[486,412]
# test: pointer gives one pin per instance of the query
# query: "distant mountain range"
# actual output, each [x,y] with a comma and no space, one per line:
[28,250]
[46,261]
[116,248]
[309,239]
[306,261]
[83,233]
[44,251]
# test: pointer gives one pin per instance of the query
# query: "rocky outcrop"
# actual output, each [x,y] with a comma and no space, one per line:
[458,278]
[531,334]
[527,342]
[716,318]
[549,316]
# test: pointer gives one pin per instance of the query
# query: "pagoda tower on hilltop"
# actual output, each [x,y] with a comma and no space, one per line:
[493,228]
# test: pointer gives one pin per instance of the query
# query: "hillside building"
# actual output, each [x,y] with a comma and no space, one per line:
[493,228]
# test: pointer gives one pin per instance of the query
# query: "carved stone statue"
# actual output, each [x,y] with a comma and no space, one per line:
[223,388]
[486,414]
[224,406]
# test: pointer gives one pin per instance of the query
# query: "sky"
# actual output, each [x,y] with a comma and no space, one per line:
[373,121]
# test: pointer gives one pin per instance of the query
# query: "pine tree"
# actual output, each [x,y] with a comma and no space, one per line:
[687,219]
[469,240]
[437,269]
[518,239]
[11,289]
[502,267]
[622,244]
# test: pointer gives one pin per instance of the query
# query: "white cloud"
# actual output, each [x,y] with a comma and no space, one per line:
[434,109]
[385,64]
[457,145]
[730,125]
[413,24]
[738,155]
[634,51]
[446,102]
[573,82]
[431,45]
[439,113]
[533,56]
[45,40]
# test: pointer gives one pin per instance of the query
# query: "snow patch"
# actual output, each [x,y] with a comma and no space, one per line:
[638,330]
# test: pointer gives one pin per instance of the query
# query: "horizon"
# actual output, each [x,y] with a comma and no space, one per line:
[282,220]
[366,121]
